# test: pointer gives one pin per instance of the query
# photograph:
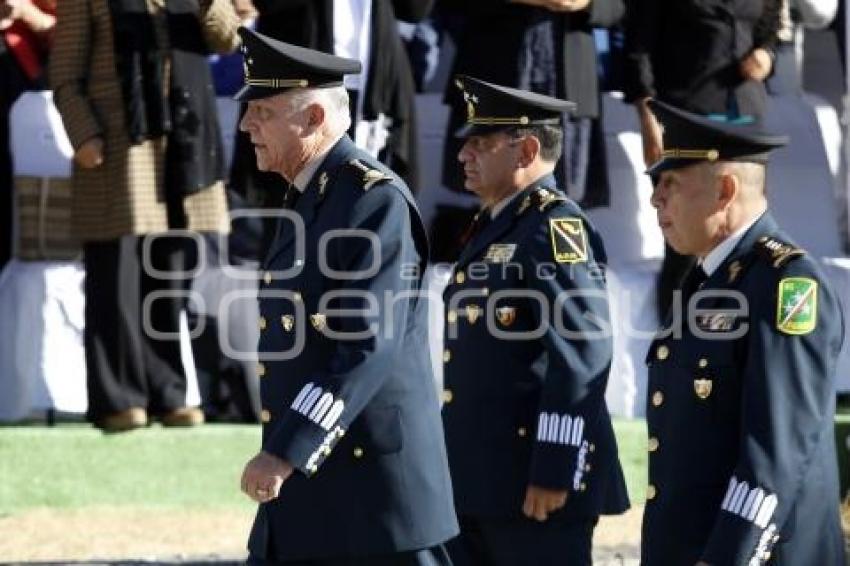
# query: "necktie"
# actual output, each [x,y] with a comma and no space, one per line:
[692,281]
[290,197]
[481,220]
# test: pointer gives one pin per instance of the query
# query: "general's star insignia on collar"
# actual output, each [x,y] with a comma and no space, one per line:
[734,270]
[323,182]
[797,305]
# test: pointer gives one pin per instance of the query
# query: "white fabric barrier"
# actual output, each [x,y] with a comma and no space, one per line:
[42,358]
[40,147]
[42,362]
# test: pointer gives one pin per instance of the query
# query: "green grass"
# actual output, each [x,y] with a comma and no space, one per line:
[631,442]
[74,466]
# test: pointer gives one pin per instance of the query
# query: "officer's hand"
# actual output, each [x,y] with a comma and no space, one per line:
[263,477]
[90,154]
[756,65]
[540,502]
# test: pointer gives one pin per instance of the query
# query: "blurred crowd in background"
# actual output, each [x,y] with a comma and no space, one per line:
[138,102]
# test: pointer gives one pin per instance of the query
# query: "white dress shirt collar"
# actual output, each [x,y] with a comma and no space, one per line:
[502,205]
[719,254]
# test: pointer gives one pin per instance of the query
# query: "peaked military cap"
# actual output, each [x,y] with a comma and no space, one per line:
[491,107]
[272,67]
[690,138]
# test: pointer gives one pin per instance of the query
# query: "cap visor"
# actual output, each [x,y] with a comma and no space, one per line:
[666,163]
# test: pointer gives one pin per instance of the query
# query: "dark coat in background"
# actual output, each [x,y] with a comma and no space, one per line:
[490,44]
[687,52]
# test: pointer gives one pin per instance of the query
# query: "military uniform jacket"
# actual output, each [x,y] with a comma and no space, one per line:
[528,351]
[742,465]
[346,383]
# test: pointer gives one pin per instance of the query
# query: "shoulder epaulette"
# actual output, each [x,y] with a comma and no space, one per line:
[777,252]
[542,198]
[370,176]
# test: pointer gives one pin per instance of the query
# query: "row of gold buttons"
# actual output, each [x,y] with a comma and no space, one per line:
[661,354]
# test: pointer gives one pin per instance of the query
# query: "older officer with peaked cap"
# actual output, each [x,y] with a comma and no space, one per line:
[352,469]
[742,465]
[528,348]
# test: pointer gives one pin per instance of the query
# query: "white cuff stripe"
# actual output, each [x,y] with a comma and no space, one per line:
[768,507]
[752,504]
[578,431]
[560,429]
[333,415]
[318,406]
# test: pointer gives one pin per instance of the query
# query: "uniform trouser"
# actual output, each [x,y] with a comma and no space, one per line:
[434,556]
[126,365]
[522,542]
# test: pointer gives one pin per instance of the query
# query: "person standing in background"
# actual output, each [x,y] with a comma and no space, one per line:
[27,29]
[706,56]
[133,87]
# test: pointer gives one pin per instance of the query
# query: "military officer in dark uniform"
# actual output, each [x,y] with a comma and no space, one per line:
[527,348]
[352,469]
[742,465]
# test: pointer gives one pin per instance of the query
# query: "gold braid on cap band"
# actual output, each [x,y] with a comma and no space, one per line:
[484,121]
[277,83]
[709,154]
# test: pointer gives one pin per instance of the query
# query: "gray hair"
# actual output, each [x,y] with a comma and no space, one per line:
[334,100]
[551,139]
[751,174]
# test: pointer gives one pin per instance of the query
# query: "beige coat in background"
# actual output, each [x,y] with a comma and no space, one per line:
[124,195]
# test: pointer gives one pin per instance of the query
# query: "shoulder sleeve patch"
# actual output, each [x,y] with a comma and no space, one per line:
[777,252]
[370,177]
[797,305]
[569,240]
